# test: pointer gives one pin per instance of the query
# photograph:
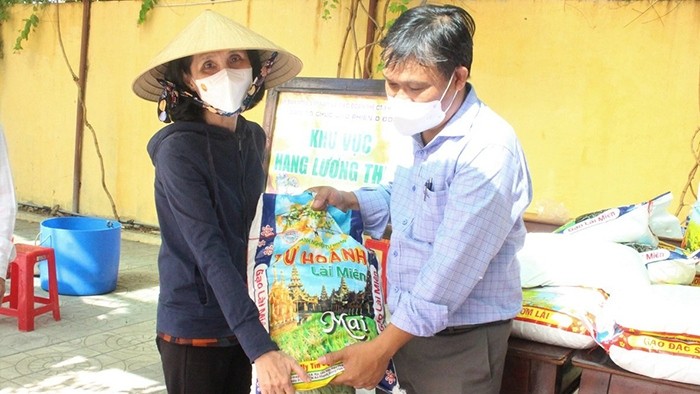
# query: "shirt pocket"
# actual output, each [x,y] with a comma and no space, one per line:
[429,215]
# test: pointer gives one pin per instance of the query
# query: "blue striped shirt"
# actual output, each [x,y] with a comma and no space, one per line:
[456,215]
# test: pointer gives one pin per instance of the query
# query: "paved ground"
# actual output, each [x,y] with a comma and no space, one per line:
[102,344]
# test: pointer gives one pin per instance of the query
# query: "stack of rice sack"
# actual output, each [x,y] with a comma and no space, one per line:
[566,281]
[577,280]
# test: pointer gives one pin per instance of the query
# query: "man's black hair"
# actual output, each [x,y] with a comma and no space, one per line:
[431,35]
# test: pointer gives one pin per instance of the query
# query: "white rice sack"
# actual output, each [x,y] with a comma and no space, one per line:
[666,263]
[657,365]
[561,316]
[696,256]
[551,335]
[548,259]
[628,223]
[674,272]
[671,309]
[657,332]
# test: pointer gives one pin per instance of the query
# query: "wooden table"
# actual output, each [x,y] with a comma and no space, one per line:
[538,368]
[600,376]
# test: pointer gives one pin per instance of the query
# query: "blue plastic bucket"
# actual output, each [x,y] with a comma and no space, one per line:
[87,254]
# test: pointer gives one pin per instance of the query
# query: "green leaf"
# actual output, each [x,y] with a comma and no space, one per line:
[29,25]
[329,5]
[146,5]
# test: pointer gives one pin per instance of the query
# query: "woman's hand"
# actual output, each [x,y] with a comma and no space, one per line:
[326,195]
[274,371]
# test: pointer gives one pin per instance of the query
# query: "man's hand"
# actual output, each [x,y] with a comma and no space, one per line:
[365,363]
[274,371]
[364,367]
[326,195]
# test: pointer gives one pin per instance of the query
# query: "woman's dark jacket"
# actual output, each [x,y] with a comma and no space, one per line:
[207,184]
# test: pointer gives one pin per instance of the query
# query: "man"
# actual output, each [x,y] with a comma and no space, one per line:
[8,211]
[456,215]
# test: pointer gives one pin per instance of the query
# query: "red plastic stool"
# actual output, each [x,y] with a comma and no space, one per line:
[21,297]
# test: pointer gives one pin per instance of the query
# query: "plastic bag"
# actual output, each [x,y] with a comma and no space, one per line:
[661,222]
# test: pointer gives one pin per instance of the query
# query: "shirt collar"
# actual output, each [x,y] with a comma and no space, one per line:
[460,123]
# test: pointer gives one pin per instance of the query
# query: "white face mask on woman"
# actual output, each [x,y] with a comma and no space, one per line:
[411,117]
[226,89]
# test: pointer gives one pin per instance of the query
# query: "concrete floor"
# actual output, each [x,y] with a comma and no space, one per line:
[102,344]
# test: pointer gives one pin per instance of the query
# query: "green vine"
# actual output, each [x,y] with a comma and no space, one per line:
[146,5]
[391,11]
[29,25]
[396,7]
[328,5]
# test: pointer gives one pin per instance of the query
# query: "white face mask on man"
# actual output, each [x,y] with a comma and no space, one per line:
[226,89]
[411,117]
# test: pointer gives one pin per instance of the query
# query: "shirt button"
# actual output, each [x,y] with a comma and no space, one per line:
[396,253]
[413,188]
[405,221]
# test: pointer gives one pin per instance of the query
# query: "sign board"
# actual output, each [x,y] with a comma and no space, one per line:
[329,131]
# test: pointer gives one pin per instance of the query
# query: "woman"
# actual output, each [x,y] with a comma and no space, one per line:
[208,177]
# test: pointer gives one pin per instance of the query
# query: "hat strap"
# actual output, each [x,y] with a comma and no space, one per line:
[258,82]
[170,96]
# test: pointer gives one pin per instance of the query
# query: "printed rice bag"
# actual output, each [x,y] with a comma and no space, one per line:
[316,286]
[655,332]
[562,316]
[691,236]
[629,223]
[667,264]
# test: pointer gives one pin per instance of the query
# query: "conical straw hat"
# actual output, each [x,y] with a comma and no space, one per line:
[209,32]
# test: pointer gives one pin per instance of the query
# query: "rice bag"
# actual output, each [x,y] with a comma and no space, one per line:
[696,256]
[691,236]
[667,264]
[655,332]
[561,316]
[629,223]
[548,259]
[316,286]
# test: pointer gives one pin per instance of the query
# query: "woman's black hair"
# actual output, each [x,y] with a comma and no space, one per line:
[431,35]
[188,110]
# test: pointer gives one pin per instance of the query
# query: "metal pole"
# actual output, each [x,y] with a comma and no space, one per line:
[80,113]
